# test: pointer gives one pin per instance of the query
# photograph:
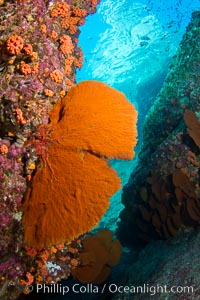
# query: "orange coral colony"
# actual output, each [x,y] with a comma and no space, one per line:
[193,124]
[14,44]
[73,183]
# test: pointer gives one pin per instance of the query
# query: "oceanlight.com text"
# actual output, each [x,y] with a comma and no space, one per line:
[112,288]
[151,289]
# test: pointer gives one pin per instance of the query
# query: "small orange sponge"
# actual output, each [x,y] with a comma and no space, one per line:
[71,188]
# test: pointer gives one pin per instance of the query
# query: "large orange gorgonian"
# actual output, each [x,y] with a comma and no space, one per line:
[71,188]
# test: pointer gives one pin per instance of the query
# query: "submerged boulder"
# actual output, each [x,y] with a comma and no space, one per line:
[163,193]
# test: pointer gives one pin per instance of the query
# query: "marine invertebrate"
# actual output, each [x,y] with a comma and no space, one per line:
[28,49]
[25,69]
[62,9]
[193,124]
[92,124]
[14,44]
[43,28]
[56,76]
[79,12]
[66,44]
[3,149]
[53,34]
[19,116]
[170,204]
[48,92]
[98,255]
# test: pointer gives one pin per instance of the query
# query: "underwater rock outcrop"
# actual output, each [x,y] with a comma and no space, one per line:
[161,270]
[163,193]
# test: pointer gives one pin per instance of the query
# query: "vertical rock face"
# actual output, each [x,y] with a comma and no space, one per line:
[65,159]
[163,193]
[39,55]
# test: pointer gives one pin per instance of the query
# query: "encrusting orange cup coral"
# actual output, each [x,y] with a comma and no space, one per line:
[72,185]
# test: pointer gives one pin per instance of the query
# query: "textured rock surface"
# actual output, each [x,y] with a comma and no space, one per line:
[174,263]
[163,193]
[38,59]
[160,263]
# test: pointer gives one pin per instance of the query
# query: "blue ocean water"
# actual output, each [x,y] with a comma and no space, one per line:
[129,45]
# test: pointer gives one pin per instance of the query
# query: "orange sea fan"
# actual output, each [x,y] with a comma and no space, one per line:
[98,255]
[71,189]
[98,119]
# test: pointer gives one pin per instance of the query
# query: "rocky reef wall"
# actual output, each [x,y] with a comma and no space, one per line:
[163,193]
